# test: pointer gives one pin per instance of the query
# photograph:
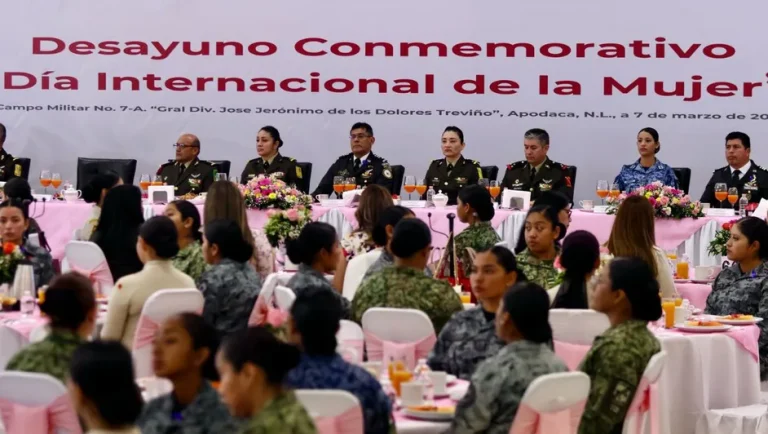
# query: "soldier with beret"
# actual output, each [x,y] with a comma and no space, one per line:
[453,172]
[270,162]
[366,167]
[537,173]
[188,174]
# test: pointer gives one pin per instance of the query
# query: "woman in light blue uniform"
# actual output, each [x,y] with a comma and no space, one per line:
[648,168]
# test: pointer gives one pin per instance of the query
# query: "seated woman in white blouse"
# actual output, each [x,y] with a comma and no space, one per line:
[94,192]
[634,235]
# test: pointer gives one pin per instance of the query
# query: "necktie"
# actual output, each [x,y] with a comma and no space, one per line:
[735,177]
[356,167]
[450,168]
[266,165]
[181,169]
[533,173]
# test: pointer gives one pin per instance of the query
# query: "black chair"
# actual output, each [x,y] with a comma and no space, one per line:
[490,172]
[572,173]
[398,172]
[683,175]
[222,166]
[87,168]
[306,176]
[25,163]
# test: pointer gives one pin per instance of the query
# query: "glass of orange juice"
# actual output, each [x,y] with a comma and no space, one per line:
[466,297]
[668,307]
[682,270]
[409,185]
[678,301]
[338,185]
[602,190]
[421,187]
[721,192]
[145,181]
[350,183]
[733,196]
[494,189]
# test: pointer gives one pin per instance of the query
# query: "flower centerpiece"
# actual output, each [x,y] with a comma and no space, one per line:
[285,225]
[270,192]
[11,256]
[717,245]
[667,202]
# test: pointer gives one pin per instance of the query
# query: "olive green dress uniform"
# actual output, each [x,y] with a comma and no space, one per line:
[10,167]
[450,178]
[550,176]
[284,168]
[195,179]
[374,170]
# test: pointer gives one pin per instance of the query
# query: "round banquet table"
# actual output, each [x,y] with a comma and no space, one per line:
[60,219]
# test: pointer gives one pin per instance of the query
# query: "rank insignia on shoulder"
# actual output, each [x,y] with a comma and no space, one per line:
[387,174]
[298,172]
[17,170]
[568,182]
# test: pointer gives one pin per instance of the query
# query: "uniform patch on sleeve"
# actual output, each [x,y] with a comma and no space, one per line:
[480,172]
[617,398]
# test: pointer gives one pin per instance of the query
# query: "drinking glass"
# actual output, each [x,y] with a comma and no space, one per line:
[157,180]
[235,180]
[338,185]
[614,192]
[721,192]
[45,179]
[221,176]
[55,180]
[145,181]
[421,187]
[494,189]
[409,185]
[602,190]
[350,183]
[733,196]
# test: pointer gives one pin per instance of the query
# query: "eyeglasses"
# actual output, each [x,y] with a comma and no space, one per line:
[358,136]
[182,146]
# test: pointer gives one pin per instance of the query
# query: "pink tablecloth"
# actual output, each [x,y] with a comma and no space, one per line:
[23,325]
[696,293]
[407,425]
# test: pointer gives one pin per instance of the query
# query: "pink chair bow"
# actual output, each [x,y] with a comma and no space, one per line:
[646,400]
[572,354]
[407,352]
[145,332]
[99,275]
[349,422]
[265,313]
[529,421]
[22,419]
[356,345]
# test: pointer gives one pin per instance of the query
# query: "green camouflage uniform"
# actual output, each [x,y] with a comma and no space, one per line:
[479,236]
[307,277]
[50,356]
[745,293]
[190,260]
[206,414]
[407,288]
[498,386]
[284,415]
[540,272]
[615,365]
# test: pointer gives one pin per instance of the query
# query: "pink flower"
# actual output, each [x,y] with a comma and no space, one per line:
[300,208]
[292,215]
[664,200]
[652,201]
[271,213]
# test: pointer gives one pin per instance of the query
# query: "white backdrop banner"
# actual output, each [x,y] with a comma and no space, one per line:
[123,80]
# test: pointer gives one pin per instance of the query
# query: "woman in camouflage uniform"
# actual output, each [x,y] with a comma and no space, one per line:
[469,337]
[743,288]
[627,292]
[186,218]
[253,364]
[542,231]
[499,383]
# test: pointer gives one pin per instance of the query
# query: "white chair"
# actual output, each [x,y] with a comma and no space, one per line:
[577,326]
[552,403]
[87,258]
[356,269]
[45,404]
[646,395]
[77,235]
[334,411]
[350,339]
[11,342]
[398,334]
[284,297]
[271,282]
[158,307]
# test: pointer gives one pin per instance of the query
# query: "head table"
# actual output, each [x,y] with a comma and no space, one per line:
[59,220]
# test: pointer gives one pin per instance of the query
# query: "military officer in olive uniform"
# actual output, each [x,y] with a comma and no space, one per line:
[537,173]
[10,167]
[741,172]
[270,162]
[188,174]
[362,164]
[454,172]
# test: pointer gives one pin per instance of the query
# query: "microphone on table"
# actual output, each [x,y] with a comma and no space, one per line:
[429,223]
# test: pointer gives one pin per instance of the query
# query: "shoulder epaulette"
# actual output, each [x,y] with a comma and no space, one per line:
[475,162]
[721,169]
[516,165]
[167,163]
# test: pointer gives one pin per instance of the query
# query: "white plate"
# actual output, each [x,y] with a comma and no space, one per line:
[449,379]
[587,210]
[413,203]
[682,280]
[703,282]
[331,203]
[696,329]
[754,320]
[429,415]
